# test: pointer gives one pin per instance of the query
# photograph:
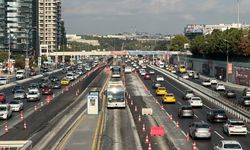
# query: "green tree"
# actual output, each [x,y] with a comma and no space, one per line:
[3,56]
[177,43]
[19,62]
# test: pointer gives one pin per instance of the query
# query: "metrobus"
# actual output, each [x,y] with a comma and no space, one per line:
[115,95]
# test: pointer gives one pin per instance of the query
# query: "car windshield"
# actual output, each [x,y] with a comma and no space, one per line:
[196,98]
[170,95]
[161,88]
[237,123]
[219,111]
[20,92]
[202,125]
[246,98]
[2,108]
[3,79]
[159,76]
[187,108]
[232,146]
[14,102]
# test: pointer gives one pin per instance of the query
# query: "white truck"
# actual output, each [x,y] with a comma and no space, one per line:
[115,95]
[16,145]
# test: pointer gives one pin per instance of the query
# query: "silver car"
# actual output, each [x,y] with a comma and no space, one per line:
[186,111]
[188,94]
[200,130]
[19,94]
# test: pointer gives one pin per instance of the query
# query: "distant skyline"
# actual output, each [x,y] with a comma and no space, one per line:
[152,16]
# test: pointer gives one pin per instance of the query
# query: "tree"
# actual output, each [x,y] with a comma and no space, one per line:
[244,45]
[198,45]
[177,43]
[19,62]
[3,56]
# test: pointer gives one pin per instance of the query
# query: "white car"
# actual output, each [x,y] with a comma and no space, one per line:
[70,76]
[5,111]
[16,105]
[87,68]
[128,69]
[144,66]
[220,87]
[33,96]
[159,78]
[185,76]
[151,72]
[20,74]
[173,71]
[228,145]
[235,126]
[142,72]
[3,80]
[195,101]
[206,83]
[213,81]
[190,73]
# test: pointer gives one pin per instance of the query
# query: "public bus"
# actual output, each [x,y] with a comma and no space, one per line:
[115,94]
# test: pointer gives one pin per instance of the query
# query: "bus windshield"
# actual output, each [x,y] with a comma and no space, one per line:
[115,96]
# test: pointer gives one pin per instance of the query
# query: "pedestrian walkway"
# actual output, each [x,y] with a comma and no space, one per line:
[81,135]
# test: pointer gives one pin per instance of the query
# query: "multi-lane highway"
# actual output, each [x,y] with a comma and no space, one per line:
[200,113]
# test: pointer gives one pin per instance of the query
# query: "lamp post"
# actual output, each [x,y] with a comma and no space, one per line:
[227,60]
[27,49]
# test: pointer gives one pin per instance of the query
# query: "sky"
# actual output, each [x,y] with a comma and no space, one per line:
[152,16]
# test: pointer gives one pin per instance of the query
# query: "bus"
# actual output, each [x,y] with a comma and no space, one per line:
[116,71]
[16,145]
[115,94]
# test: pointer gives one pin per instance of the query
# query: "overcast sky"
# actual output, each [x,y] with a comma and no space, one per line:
[152,16]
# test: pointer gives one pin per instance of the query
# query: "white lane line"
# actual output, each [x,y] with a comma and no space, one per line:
[179,102]
[196,116]
[206,106]
[218,134]
[248,132]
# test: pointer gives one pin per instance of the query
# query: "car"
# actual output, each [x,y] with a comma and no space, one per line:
[185,76]
[79,72]
[43,82]
[70,76]
[195,101]
[3,80]
[220,87]
[156,85]
[228,145]
[2,98]
[173,71]
[47,90]
[65,81]
[196,76]
[32,72]
[147,76]
[16,105]
[182,69]
[128,69]
[188,94]
[56,85]
[186,111]
[230,94]
[235,127]
[200,129]
[20,74]
[87,68]
[33,95]
[213,81]
[17,87]
[246,92]
[161,91]
[64,70]
[152,72]
[33,86]
[53,78]
[190,73]
[142,72]
[216,115]
[159,78]
[5,111]
[144,66]
[245,101]
[20,94]
[169,98]
[206,83]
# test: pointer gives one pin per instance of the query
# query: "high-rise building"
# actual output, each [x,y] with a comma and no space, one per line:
[2,24]
[49,24]
[19,24]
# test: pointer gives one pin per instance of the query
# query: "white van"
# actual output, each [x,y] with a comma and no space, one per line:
[20,74]
[5,111]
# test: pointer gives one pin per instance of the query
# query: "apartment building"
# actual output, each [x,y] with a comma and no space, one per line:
[2,24]
[49,24]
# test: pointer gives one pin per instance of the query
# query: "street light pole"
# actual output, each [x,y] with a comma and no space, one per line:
[227,61]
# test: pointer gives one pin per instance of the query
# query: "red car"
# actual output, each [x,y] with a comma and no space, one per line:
[2,98]
[147,76]
[47,90]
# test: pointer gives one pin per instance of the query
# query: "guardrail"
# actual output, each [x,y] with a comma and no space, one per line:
[212,96]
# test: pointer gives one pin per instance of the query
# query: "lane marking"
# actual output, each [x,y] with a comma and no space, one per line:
[206,106]
[248,132]
[69,135]
[196,116]
[218,134]
[179,102]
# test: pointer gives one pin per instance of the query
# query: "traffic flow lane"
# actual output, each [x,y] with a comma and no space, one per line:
[201,113]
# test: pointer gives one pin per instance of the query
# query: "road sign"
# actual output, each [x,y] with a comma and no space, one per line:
[39,61]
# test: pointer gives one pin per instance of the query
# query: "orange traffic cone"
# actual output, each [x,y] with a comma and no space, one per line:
[187,137]
[132,103]
[177,124]
[194,146]
[67,89]
[143,128]
[162,108]
[135,108]
[171,117]
[146,140]
[35,108]
[21,115]
[24,125]
[6,129]
[149,146]
[139,119]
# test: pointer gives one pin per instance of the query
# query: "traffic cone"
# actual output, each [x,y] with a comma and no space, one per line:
[171,117]
[132,103]
[21,115]
[162,108]
[48,99]
[187,137]
[143,128]
[139,118]
[24,125]
[177,124]
[6,129]
[146,140]
[67,89]
[76,93]
[41,104]
[35,108]
[135,108]
[149,146]
[129,96]
[194,146]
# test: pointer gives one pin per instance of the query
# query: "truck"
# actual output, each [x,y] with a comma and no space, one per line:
[115,94]
[16,145]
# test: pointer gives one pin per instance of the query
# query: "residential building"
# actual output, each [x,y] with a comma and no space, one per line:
[2,24]
[49,25]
